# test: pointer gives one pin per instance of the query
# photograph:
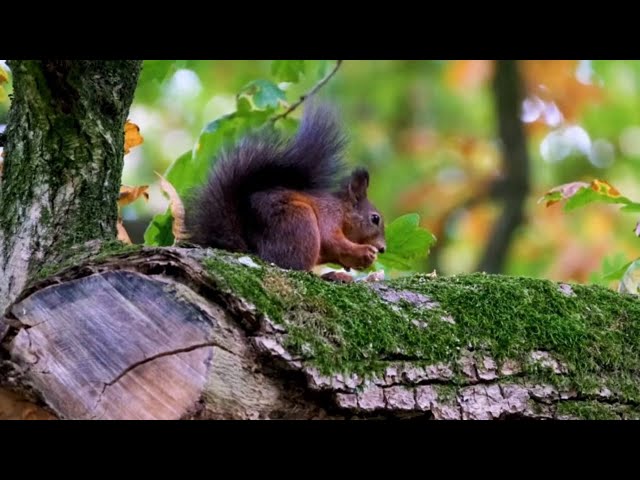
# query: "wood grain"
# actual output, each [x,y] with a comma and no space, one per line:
[117,345]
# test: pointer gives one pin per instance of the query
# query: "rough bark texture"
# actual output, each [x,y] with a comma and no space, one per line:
[190,333]
[63,161]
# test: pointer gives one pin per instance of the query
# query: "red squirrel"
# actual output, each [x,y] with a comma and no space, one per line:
[289,201]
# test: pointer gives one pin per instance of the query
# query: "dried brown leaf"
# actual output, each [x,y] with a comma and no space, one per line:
[123,236]
[177,209]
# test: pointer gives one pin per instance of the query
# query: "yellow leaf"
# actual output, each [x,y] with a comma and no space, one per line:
[177,209]
[4,76]
[131,194]
[605,188]
[132,137]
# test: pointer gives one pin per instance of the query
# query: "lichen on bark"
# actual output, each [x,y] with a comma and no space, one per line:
[63,160]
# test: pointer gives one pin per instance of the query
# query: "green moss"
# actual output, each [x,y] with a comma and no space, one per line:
[588,410]
[348,328]
[446,393]
[77,255]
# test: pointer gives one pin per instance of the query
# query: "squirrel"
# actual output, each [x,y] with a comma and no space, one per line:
[290,201]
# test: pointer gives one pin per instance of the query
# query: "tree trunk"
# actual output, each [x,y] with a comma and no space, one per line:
[63,161]
[188,333]
[513,188]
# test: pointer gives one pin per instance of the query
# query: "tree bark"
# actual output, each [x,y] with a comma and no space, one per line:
[63,161]
[198,334]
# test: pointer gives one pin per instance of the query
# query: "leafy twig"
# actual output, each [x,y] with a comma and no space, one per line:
[302,98]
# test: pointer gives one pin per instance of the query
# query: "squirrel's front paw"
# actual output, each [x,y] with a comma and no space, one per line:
[363,257]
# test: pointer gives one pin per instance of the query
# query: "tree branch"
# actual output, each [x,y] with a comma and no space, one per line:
[212,336]
[302,98]
[508,97]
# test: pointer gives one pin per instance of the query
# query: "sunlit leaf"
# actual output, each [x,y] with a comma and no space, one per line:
[132,137]
[288,70]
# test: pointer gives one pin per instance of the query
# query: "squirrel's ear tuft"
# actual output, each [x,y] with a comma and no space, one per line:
[358,184]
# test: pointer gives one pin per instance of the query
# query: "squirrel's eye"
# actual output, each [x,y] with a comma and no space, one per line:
[375,218]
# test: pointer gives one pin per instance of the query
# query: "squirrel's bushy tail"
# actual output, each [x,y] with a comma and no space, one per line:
[311,160]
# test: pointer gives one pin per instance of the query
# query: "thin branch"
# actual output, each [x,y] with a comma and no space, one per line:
[302,98]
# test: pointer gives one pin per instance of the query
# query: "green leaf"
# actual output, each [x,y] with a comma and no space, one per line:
[613,267]
[322,68]
[587,195]
[631,208]
[154,74]
[288,125]
[630,282]
[221,133]
[288,70]
[158,233]
[263,94]
[406,243]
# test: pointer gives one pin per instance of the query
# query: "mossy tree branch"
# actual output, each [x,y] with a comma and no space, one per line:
[191,333]
[63,160]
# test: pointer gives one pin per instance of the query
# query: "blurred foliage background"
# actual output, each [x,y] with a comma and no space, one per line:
[428,132]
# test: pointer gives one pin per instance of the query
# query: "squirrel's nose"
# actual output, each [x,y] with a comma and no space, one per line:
[381,249]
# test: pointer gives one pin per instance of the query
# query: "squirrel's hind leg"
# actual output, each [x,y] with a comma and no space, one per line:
[291,239]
